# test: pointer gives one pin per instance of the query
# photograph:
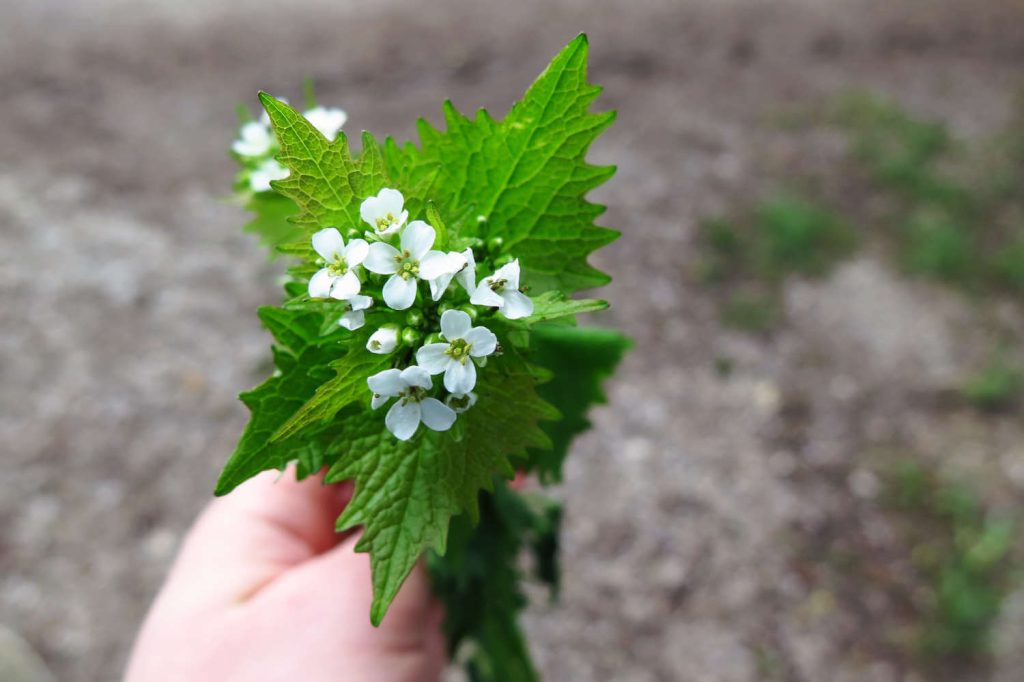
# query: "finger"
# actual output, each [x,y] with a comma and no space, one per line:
[267,525]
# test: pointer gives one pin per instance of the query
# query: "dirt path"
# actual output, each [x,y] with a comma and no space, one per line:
[128,295]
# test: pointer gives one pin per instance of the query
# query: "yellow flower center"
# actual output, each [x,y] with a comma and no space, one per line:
[407,267]
[459,350]
[339,267]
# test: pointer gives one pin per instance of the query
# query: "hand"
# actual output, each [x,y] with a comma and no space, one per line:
[263,589]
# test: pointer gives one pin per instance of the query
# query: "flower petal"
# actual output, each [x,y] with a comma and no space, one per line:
[399,293]
[460,403]
[329,244]
[345,286]
[383,341]
[417,239]
[378,400]
[327,121]
[390,201]
[381,258]
[403,419]
[467,276]
[370,210]
[431,357]
[320,284]
[439,285]
[437,263]
[482,341]
[254,140]
[510,273]
[460,377]
[436,415]
[353,320]
[360,302]
[417,376]
[517,304]
[455,324]
[356,252]
[387,383]
[484,295]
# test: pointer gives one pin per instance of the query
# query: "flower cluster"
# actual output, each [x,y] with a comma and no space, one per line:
[397,265]
[256,145]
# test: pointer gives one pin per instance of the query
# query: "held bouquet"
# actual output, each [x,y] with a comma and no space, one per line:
[427,345]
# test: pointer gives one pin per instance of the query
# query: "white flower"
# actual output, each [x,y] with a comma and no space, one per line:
[353,318]
[337,278]
[327,121]
[254,139]
[383,341]
[501,290]
[459,402]
[260,177]
[414,261]
[404,417]
[438,285]
[467,275]
[384,212]
[462,342]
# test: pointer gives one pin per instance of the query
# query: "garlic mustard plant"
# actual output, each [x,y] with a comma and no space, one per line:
[462,344]
[384,212]
[456,256]
[338,278]
[413,406]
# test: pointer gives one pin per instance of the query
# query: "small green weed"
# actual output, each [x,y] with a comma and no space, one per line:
[751,257]
[998,386]
[962,552]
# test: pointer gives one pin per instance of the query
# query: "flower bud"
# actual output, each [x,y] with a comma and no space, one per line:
[461,402]
[414,318]
[383,341]
[469,310]
[411,336]
[494,244]
[444,307]
[434,338]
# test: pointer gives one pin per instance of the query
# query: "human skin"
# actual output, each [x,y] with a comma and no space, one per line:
[264,590]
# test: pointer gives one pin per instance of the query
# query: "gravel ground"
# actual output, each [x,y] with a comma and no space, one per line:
[127,297]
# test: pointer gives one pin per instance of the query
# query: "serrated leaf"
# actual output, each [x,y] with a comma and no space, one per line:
[347,386]
[552,305]
[325,181]
[478,580]
[526,174]
[300,366]
[406,492]
[580,359]
[271,224]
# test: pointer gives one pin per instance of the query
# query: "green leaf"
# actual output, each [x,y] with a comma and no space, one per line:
[302,367]
[580,359]
[478,580]
[348,386]
[406,492]
[271,223]
[552,305]
[526,174]
[326,182]
[434,219]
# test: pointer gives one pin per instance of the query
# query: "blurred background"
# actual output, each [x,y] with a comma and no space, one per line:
[811,467]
